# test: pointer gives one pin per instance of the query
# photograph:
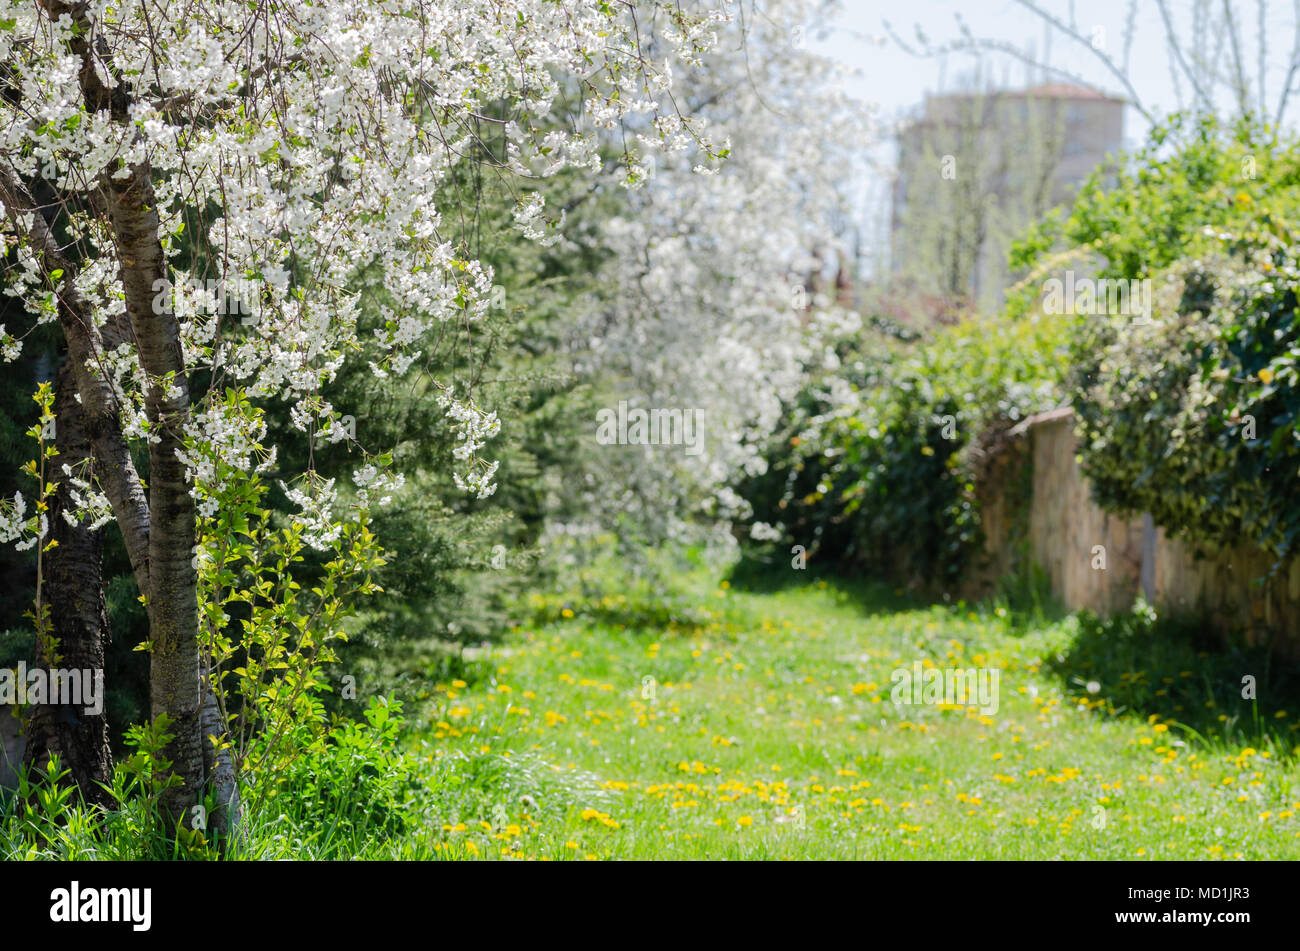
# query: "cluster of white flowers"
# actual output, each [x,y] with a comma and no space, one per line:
[706,313]
[225,442]
[376,486]
[305,144]
[315,511]
[15,526]
[528,216]
[478,482]
[473,426]
[10,346]
[90,507]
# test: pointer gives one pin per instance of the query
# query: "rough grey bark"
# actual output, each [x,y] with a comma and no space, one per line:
[221,772]
[162,559]
[117,472]
[174,660]
[160,533]
[171,534]
[74,590]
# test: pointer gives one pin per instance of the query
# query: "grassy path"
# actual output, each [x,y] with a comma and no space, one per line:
[760,725]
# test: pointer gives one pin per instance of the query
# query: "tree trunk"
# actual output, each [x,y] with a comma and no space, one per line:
[171,585]
[78,616]
[161,531]
[174,676]
[220,767]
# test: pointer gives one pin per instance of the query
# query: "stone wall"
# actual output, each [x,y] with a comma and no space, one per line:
[1058,528]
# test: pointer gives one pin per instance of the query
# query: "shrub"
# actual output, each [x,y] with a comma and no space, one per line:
[1191,415]
[875,464]
[351,785]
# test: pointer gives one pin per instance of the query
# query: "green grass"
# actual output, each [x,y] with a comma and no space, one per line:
[668,715]
[768,731]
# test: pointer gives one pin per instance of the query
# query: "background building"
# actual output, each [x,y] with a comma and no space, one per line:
[974,169]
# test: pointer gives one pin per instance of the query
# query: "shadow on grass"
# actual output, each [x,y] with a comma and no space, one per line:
[1137,664]
[1178,670]
[755,574]
[1021,602]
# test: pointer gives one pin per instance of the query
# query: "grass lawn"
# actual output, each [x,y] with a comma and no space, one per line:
[719,723]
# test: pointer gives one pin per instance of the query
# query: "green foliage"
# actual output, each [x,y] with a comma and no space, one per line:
[351,790]
[1192,415]
[456,568]
[45,817]
[40,353]
[350,786]
[882,473]
[1192,174]
[649,595]
[1173,669]
[267,638]
[126,673]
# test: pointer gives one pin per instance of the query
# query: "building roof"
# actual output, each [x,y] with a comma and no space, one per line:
[1042,91]
[1063,91]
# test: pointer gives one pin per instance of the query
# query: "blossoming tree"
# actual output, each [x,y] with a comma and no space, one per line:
[716,305]
[161,158]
